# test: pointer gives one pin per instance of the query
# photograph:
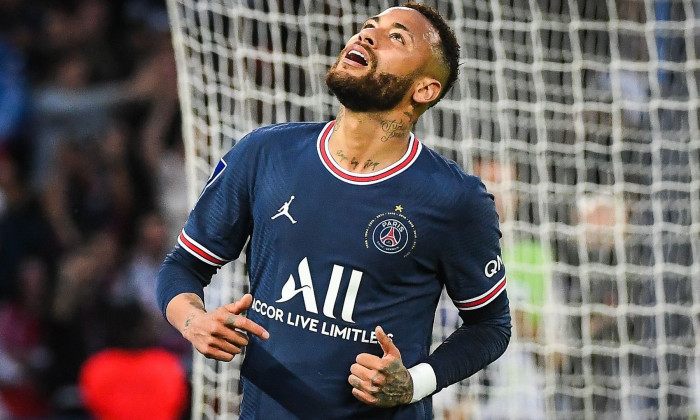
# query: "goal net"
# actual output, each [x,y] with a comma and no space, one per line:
[582,117]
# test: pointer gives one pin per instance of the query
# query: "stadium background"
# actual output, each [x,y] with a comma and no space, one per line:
[91,194]
[586,132]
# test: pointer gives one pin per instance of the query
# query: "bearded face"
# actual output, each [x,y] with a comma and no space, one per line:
[371,92]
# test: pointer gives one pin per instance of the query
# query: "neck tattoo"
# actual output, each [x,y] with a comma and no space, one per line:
[394,129]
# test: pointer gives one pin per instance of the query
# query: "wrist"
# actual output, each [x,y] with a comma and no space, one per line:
[182,309]
[424,381]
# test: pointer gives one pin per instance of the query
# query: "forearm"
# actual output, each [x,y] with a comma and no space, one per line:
[480,340]
[469,349]
[449,361]
[181,274]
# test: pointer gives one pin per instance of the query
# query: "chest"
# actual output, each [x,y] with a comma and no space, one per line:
[313,210]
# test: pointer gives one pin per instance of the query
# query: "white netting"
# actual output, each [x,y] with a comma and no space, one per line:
[581,116]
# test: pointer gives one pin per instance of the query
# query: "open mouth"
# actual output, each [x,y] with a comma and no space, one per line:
[357,57]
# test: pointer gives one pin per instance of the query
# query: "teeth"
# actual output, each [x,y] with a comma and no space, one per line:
[358,54]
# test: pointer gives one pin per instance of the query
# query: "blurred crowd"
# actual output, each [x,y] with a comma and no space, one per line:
[91,194]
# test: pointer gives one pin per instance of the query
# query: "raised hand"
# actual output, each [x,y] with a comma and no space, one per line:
[221,334]
[381,382]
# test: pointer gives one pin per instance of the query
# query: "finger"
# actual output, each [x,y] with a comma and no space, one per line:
[240,305]
[234,343]
[364,385]
[220,355]
[244,324]
[235,338]
[369,361]
[362,372]
[387,345]
[364,397]
[213,352]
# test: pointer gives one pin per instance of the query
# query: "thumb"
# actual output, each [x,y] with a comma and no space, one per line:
[387,345]
[240,305]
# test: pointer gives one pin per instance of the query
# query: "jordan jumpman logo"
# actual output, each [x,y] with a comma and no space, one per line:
[284,210]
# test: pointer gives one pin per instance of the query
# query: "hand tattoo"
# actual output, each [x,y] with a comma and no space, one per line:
[231,320]
[397,388]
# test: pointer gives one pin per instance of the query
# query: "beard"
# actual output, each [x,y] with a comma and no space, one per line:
[372,92]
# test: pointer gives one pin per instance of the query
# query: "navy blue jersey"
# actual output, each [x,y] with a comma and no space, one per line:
[333,254]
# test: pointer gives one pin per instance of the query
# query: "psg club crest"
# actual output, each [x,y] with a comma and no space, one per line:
[391,233]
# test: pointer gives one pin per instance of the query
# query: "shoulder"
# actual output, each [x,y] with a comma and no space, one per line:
[446,169]
[459,187]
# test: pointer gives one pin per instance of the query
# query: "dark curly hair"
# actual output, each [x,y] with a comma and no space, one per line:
[449,48]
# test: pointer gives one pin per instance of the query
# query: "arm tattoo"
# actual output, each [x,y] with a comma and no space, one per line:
[188,321]
[398,388]
[197,305]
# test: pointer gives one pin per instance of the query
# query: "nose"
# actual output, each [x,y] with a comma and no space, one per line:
[366,35]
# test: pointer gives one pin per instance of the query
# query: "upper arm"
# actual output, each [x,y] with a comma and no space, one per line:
[221,220]
[471,265]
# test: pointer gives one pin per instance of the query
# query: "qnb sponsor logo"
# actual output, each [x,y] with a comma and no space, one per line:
[306,289]
[492,267]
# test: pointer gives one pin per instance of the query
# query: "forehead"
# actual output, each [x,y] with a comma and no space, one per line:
[412,20]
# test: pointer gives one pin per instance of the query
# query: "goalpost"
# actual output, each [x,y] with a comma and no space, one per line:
[582,117]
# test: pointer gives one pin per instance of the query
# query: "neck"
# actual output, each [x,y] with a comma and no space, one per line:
[369,142]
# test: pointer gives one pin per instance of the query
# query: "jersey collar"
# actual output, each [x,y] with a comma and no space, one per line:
[411,155]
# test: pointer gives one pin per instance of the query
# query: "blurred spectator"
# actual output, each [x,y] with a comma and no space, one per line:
[99,185]
[24,227]
[14,93]
[86,278]
[24,355]
[602,221]
[597,216]
[137,283]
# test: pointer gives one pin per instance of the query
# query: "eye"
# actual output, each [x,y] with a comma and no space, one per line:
[397,36]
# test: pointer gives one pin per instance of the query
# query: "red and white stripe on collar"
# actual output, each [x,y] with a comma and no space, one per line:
[411,155]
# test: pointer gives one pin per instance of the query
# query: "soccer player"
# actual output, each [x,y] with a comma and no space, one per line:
[354,228]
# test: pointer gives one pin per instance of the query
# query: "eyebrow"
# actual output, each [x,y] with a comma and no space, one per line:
[395,25]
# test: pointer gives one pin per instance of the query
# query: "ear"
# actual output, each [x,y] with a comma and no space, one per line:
[427,90]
